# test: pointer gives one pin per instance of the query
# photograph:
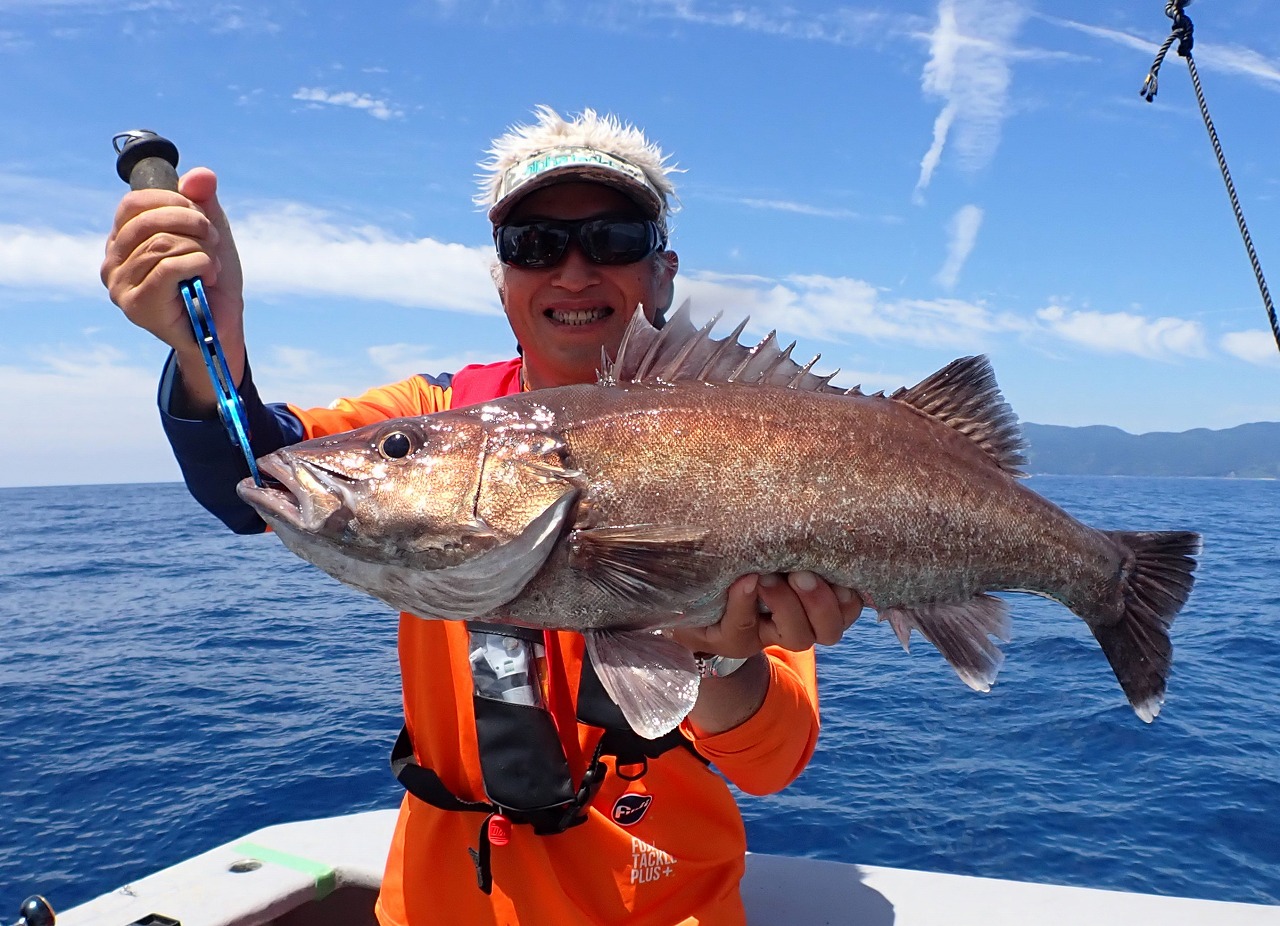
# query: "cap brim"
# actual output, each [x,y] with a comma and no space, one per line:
[641,195]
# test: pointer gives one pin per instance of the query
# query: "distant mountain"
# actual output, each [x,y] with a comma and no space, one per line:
[1248,451]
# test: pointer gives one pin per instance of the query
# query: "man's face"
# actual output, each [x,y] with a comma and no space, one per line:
[563,315]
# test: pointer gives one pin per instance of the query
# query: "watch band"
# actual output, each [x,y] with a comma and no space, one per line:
[717,666]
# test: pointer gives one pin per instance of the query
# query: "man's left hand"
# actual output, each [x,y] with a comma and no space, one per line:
[802,609]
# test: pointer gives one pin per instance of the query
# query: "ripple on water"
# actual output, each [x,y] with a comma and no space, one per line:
[186,685]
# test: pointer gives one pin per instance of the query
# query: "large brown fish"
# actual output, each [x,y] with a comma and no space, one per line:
[624,507]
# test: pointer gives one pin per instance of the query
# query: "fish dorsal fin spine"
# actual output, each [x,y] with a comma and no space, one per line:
[724,347]
[679,351]
[964,395]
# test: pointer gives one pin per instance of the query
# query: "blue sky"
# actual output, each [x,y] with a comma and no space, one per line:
[893,185]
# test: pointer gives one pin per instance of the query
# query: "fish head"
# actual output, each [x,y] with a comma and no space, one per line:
[401,491]
[444,515]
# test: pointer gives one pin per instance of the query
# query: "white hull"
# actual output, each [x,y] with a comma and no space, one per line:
[327,873]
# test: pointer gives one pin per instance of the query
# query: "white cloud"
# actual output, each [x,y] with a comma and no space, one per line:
[970,47]
[379,109]
[1123,333]
[1111,35]
[1258,347]
[99,421]
[298,250]
[241,19]
[93,6]
[1234,59]
[846,27]
[287,250]
[295,363]
[782,205]
[33,258]
[1225,59]
[834,309]
[963,235]
[933,157]
[397,361]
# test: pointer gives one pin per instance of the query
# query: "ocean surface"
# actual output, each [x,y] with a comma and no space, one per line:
[166,686]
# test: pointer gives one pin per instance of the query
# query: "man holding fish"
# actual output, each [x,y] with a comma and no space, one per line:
[512,731]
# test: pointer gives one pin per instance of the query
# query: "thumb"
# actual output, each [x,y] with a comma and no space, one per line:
[200,185]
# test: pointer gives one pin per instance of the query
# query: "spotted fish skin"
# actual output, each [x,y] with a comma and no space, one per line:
[631,505]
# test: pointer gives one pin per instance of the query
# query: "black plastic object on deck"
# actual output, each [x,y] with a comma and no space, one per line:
[35,911]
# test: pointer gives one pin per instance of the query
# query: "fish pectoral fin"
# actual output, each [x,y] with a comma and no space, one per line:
[961,631]
[652,679]
[546,471]
[656,566]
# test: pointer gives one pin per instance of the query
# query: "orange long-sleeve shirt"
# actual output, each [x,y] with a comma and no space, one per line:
[676,858]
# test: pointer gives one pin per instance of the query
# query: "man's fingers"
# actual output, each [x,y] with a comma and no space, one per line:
[821,607]
[735,634]
[801,609]
[151,235]
[851,605]
[789,625]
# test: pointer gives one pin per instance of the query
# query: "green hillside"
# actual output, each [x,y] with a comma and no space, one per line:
[1249,451]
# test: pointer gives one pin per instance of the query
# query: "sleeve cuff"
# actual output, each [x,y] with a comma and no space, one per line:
[768,750]
[210,461]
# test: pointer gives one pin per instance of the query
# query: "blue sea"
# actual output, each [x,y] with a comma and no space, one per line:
[166,686]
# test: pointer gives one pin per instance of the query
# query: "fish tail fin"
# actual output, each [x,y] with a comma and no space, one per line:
[1154,584]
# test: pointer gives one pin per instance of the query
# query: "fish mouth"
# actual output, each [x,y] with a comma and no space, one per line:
[578,317]
[300,494]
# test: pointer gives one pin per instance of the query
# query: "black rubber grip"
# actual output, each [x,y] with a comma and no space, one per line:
[147,161]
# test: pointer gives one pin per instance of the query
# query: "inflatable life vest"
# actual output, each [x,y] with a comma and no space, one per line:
[526,774]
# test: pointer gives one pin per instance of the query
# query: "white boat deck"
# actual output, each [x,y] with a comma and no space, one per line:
[327,872]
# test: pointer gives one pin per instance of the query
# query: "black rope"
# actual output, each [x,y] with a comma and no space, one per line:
[1184,33]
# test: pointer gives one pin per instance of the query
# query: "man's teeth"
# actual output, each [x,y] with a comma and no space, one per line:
[579,316]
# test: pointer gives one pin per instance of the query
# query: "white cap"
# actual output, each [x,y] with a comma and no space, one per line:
[558,165]
[590,148]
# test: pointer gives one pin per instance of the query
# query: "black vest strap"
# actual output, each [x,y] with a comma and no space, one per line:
[526,774]
[425,784]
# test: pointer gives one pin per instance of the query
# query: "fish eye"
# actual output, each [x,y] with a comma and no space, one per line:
[396,446]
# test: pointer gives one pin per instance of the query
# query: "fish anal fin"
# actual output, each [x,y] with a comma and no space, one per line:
[961,631]
[652,565]
[964,396]
[652,679]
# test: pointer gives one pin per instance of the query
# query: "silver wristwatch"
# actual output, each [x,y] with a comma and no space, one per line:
[717,666]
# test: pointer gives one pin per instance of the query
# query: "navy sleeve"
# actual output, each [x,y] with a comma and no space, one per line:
[211,463]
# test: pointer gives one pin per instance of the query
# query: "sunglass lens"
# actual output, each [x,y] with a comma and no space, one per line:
[537,245]
[615,241]
[533,245]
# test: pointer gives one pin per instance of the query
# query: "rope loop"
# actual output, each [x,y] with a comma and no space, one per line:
[1183,32]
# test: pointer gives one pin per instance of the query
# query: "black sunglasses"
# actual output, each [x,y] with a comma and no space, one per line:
[542,243]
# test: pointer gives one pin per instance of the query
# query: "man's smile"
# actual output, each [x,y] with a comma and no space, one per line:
[579,316]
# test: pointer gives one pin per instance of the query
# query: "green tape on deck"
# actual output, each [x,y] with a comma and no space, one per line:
[323,875]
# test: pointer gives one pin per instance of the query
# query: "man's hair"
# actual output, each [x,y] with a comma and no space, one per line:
[586,130]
